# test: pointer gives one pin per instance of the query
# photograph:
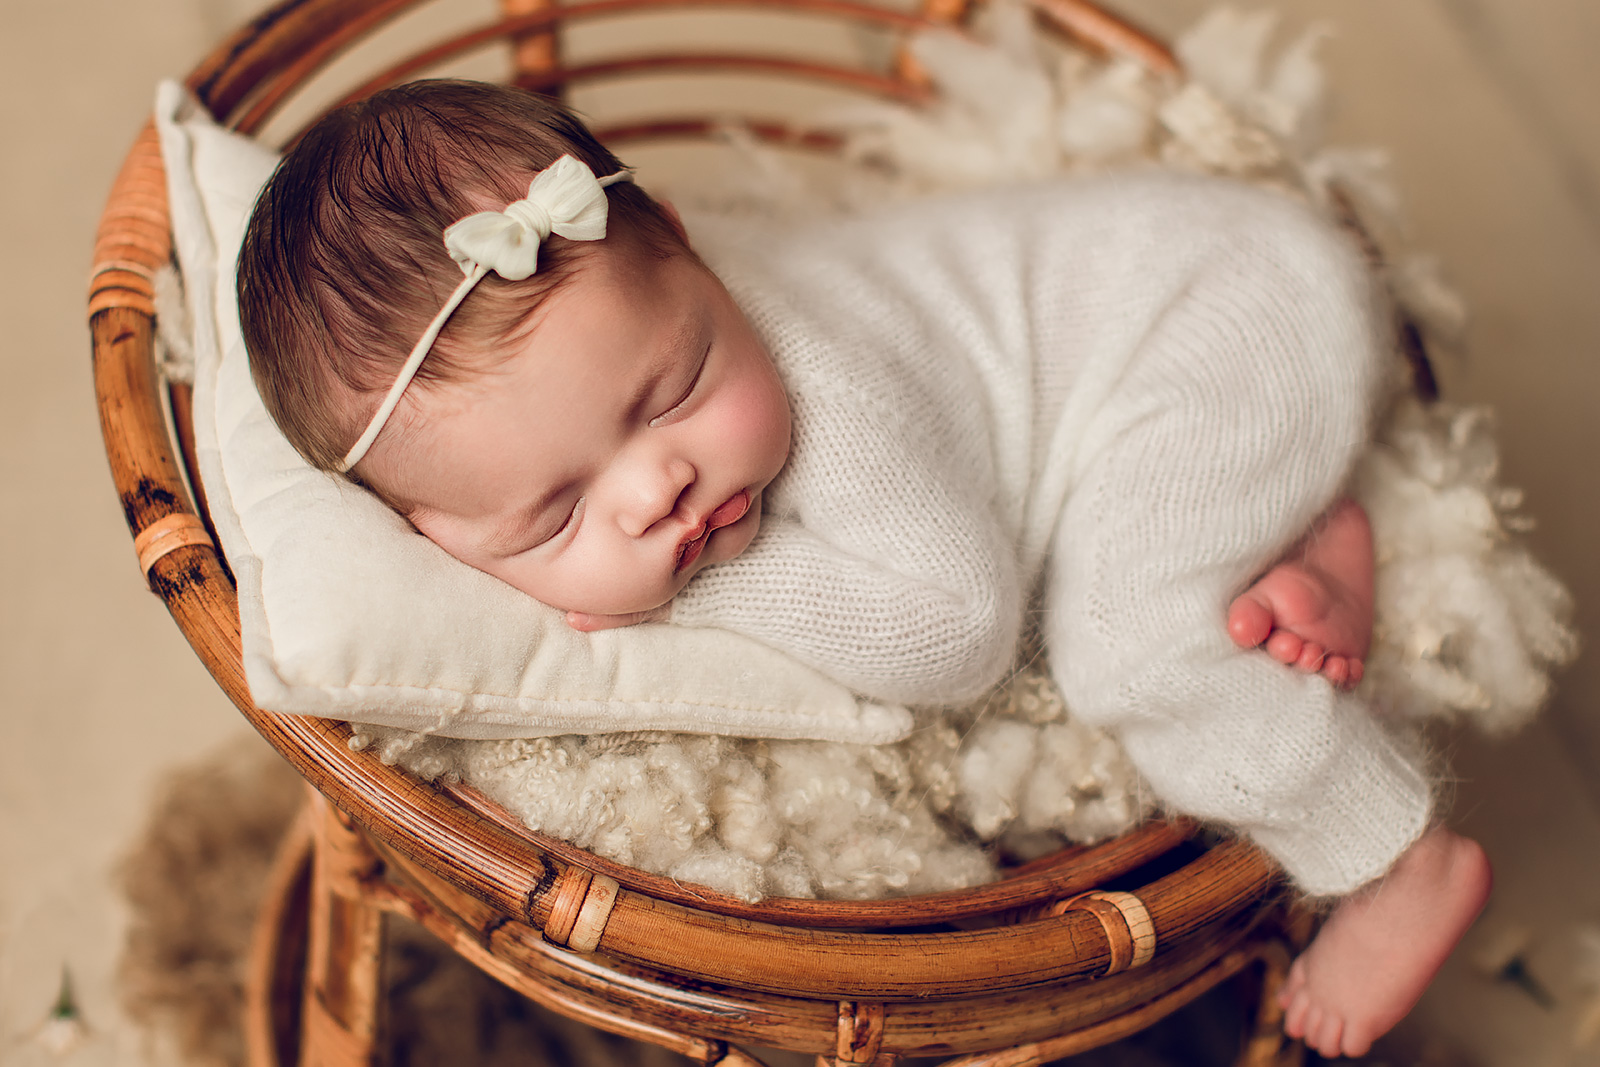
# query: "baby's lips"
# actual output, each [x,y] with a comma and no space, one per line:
[726,514]
[730,512]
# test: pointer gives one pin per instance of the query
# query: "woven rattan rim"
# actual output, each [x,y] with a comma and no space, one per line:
[1128,928]
[273,56]
[178,530]
[456,836]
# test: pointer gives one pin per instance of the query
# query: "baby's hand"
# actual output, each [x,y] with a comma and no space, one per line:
[588,623]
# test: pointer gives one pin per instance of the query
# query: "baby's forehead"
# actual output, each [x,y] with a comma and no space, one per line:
[621,313]
[603,342]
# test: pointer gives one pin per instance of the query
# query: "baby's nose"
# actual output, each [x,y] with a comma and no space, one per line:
[656,495]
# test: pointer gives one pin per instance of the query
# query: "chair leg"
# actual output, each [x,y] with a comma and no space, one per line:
[1266,1045]
[342,1016]
[275,982]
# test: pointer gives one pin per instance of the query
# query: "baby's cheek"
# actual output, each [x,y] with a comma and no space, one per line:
[755,417]
[522,578]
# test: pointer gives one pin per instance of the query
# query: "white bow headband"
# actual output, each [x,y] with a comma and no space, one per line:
[565,199]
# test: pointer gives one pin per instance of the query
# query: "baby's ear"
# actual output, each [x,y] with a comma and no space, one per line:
[671,211]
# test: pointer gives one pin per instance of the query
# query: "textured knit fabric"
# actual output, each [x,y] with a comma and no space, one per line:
[1135,392]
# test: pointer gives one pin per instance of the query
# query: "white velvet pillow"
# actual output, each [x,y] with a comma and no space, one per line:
[348,613]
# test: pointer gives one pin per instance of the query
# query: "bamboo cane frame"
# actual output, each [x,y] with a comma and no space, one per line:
[470,853]
[699,1022]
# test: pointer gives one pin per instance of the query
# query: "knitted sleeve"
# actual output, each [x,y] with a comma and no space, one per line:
[882,559]
[874,565]
[1232,425]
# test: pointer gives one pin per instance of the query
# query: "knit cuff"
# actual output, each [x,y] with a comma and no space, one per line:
[1372,804]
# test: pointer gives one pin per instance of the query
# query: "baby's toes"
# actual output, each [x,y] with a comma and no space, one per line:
[1325,1037]
[1285,647]
[1311,657]
[1355,1041]
[1249,621]
[1357,670]
[1336,669]
[1294,1019]
[1293,984]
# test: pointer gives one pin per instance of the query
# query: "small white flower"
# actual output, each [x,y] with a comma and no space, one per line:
[61,1034]
[63,1030]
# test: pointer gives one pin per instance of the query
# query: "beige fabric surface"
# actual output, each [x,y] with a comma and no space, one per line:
[348,613]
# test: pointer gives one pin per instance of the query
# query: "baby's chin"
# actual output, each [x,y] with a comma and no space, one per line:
[725,544]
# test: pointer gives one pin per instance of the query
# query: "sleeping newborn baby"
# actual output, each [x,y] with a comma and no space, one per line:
[872,442]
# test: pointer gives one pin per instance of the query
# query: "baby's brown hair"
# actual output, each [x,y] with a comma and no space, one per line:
[344,265]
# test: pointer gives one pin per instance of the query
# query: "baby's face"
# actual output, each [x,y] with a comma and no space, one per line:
[622,448]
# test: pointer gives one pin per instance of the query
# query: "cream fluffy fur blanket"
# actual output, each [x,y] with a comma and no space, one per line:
[1468,624]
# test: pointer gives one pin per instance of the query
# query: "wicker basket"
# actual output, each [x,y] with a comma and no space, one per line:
[1068,953]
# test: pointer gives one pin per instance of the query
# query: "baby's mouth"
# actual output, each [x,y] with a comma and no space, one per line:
[727,513]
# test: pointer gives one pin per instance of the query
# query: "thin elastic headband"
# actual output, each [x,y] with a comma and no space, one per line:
[565,199]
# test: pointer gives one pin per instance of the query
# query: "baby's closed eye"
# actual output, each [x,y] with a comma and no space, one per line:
[568,525]
[553,525]
[553,518]
[686,392]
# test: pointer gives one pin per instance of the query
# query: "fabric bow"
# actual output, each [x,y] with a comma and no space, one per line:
[565,199]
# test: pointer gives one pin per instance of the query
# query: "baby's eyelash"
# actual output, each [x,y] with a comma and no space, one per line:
[694,383]
[570,521]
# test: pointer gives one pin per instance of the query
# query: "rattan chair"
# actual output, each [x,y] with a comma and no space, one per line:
[1064,955]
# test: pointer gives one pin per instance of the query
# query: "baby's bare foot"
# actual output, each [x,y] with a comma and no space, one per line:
[1380,948]
[1313,610]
